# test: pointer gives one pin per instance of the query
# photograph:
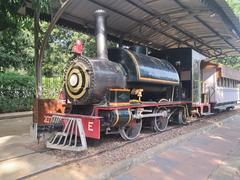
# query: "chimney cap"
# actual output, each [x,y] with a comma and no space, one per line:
[100,12]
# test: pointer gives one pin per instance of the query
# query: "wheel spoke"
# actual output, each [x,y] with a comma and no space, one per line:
[159,123]
[131,132]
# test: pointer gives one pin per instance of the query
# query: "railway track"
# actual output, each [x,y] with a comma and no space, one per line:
[93,155]
[117,144]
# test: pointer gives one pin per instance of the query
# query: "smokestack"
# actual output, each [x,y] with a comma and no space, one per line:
[101,40]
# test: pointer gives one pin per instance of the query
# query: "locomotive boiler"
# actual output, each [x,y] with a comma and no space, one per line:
[87,80]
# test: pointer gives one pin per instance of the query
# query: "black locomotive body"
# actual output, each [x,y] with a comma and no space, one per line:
[123,87]
[155,76]
[88,80]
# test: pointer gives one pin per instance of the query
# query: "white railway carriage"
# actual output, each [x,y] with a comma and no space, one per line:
[220,85]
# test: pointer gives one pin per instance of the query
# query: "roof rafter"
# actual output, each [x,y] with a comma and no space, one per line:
[172,24]
[207,25]
[177,40]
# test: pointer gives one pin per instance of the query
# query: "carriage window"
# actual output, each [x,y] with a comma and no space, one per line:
[225,82]
[230,83]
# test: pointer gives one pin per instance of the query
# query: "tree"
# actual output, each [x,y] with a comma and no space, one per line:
[232,61]
[8,13]
[16,46]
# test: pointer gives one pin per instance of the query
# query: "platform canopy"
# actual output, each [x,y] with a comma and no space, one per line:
[208,26]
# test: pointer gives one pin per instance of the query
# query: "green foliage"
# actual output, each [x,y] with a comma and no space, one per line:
[231,61]
[16,92]
[16,47]
[42,5]
[58,52]
[235,5]
[8,13]
[52,87]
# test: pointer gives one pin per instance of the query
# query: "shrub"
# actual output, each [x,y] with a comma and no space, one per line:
[16,92]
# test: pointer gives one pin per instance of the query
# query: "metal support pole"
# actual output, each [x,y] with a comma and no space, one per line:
[39,53]
[43,45]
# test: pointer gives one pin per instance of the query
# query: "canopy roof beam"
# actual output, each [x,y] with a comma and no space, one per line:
[40,46]
[177,40]
[172,24]
[207,25]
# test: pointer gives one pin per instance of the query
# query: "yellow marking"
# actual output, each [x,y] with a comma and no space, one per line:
[159,80]
[130,116]
[115,123]
[135,100]
[119,103]
[69,89]
[144,78]
[125,90]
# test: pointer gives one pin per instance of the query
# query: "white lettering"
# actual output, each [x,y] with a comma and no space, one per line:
[90,126]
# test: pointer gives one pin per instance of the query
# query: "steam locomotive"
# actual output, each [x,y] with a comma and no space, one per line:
[123,89]
[121,86]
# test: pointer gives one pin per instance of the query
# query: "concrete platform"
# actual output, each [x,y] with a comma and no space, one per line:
[17,156]
[213,155]
[18,160]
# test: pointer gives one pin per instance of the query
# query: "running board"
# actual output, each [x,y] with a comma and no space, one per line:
[206,114]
